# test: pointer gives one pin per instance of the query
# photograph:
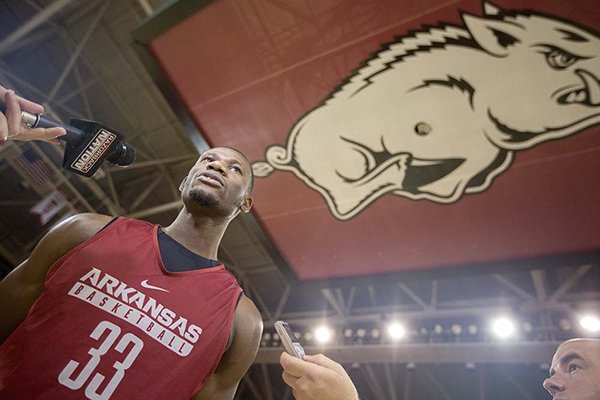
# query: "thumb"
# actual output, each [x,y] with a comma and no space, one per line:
[323,361]
[293,365]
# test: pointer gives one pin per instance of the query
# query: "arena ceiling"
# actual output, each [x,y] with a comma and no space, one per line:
[77,58]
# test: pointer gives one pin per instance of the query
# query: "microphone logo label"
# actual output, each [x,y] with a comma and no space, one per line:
[94,151]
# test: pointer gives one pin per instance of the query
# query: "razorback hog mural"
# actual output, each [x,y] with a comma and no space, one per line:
[439,113]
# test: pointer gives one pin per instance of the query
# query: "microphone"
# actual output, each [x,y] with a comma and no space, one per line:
[88,143]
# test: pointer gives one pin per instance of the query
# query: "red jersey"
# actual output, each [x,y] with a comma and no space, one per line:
[113,323]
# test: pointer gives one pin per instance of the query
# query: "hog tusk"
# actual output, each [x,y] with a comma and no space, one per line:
[592,85]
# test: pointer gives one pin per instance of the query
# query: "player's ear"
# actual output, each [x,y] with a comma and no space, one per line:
[246,204]
[182,184]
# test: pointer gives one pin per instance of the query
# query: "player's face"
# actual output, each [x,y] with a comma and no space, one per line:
[575,371]
[219,181]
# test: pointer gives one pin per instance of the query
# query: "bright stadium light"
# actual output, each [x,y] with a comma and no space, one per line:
[323,334]
[565,324]
[590,323]
[503,327]
[396,331]
[308,336]
[456,329]
[266,339]
[472,329]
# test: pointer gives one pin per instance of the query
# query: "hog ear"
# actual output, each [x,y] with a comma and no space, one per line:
[490,9]
[493,36]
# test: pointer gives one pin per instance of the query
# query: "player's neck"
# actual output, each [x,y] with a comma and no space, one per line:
[199,234]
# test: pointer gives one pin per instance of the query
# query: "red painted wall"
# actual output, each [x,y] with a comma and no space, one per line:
[248,71]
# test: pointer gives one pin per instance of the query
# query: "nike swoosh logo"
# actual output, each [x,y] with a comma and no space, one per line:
[149,286]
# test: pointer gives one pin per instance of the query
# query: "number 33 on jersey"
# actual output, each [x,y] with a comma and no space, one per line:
[111,333]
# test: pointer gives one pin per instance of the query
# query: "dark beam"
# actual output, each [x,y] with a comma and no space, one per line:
[438,353]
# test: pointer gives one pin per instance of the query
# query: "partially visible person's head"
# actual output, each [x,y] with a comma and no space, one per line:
[219,184]
[575,371]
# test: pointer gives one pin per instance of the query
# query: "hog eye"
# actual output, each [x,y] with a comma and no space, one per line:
[560,59]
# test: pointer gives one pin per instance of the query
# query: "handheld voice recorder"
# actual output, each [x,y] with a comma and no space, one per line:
[289,341]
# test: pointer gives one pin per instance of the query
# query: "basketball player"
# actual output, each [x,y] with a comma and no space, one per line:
[122,309]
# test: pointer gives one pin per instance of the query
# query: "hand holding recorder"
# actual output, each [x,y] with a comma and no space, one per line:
[312,377]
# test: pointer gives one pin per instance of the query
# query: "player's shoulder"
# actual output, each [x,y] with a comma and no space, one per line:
[84,224]
[74,230]
[61,239]
[87,218]
[248,320]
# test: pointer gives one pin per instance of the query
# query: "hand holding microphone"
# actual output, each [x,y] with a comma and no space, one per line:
[11,127]
[88,143]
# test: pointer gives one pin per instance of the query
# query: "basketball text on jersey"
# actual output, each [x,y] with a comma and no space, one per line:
[154,319]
